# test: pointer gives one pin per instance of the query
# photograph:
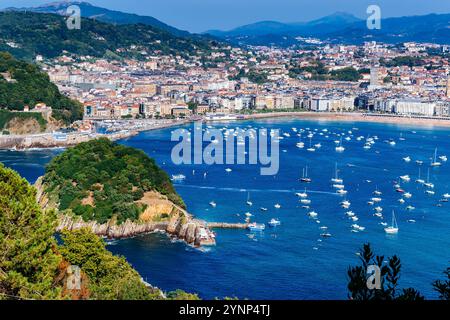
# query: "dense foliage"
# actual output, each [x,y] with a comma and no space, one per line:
[28,264]
[402,61]
[48,35]
[33,265]
[389,280]
[30,86]
[318,71]
[110,277]
[112,175]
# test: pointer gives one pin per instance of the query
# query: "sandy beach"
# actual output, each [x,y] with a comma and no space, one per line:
[357,117]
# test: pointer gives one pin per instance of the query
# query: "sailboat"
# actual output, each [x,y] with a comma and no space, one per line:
[311,149]
[420,180]
[393,229]
[428,184]
[435,163]
[305,176]
[248,200]
[336,179]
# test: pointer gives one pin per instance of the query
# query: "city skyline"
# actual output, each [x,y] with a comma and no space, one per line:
[202,15]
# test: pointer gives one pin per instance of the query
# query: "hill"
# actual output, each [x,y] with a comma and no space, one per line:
[101,180]
[27,34]
[23,84]
[343,28]
[102,14]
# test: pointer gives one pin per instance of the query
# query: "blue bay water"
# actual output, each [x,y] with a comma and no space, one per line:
[292,261]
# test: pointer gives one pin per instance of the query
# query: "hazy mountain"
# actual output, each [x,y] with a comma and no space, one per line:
[326,24]
[102,14]
[342,27]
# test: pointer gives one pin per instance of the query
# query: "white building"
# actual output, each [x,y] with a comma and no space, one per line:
[414,107]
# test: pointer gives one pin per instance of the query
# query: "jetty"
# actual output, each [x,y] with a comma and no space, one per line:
[223,225]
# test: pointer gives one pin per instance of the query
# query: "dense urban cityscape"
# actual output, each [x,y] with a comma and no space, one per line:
[100,201]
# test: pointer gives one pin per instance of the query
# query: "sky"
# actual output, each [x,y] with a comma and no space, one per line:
[202,15]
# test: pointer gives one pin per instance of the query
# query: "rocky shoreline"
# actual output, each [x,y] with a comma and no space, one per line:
[181,225]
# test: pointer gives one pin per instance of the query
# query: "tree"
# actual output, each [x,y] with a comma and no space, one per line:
[443,287]
[28,262]
[110,277]
[389,277]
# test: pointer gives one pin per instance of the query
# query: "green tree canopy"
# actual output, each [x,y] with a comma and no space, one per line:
[28,263]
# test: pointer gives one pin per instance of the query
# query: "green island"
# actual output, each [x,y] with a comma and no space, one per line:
[34,265]
[101,180]
[24,84]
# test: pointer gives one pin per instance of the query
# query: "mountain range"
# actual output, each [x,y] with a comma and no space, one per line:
[342,28]
[101,14]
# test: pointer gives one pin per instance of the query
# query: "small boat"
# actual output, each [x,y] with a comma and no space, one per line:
[248,214]
[419,162]
[392,142]
[384,224]
[305,201]
[263,209]
[178,177]
[378,214]
[228,170]
[435,163]
[302,194]
[393,228]
[378,209]
[430,192]
[407,159]
[313,214]
[326,235]
[249,203]
[405,178]
[410,208]
[411,221]
[350,214]
[336,178]
[256,227]
[345,204]
[354,219]
[342,191]
[400,190]
[401,200]
[358,227]
[340,148]
[213,204]
[377,192]
[305,177]
[446,196]
[420,180]
[376,199]
[274,222]
[443,158]
[277,206]
[407,195]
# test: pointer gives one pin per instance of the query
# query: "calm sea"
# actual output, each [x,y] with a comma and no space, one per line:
[292,261]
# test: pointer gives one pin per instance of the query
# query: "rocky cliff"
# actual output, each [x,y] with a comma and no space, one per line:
[179,223]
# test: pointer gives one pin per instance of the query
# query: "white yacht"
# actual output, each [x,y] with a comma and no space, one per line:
[393,229]
[435,163]
[336,180]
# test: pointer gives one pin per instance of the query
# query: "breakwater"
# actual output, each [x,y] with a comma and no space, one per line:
[50,140]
